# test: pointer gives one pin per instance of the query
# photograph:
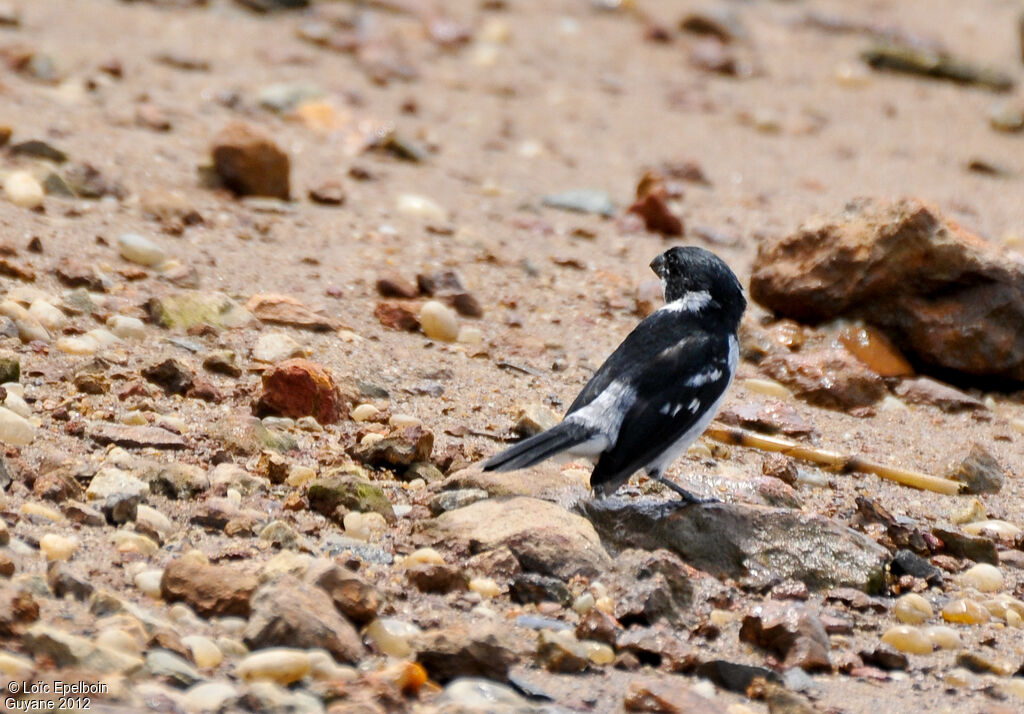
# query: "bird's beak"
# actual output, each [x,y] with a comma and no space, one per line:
[658,265]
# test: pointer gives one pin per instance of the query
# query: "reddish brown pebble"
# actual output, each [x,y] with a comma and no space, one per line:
[297,387]
[657,216]
[397,316]
[329,193]
[394,285]
[250,163]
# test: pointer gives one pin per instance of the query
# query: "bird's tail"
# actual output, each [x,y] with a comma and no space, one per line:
[542,446]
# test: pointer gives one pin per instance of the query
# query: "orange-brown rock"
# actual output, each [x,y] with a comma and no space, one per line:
[250,163]
[952,302]
[210,590]
[297,387]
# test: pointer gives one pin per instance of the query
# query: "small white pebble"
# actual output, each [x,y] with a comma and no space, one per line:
[403,421]
[364,412]
[127,328]
[907,638]
[47,315]
[204,652]
[392,636]
[81,345]
[423,556]
[943,637]
[57,547]
[148,582]
[439,321]
[983,577]
[416,206]
[912,609]
[23,189]
[141,250]
[485,587]
[584,603]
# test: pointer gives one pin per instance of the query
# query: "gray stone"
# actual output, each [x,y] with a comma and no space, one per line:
[979,472]
[753,543]
[169,666]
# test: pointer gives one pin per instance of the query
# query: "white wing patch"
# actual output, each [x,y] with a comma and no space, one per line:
[606,412]
[702,378]
[694,406]
[693,301]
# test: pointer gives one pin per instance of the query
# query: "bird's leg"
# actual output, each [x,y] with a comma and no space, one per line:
[687,497]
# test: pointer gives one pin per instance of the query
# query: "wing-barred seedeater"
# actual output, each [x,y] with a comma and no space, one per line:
[659,390]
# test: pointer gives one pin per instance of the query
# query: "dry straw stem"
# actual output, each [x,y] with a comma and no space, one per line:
[832,459]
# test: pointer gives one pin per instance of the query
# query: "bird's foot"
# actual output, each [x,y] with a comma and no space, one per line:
[683,493]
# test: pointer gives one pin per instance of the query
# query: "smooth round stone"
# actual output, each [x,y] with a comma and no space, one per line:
[324,668]
[283,665]
[308,423]
[47,315]
[943,637]
[364,412]
[983,577]
[16,666]
[364,526]
[439,321]
[404,421]
[103,337]
[907,638]
[127,328]
[208,696]
[994,528]
[117,639]
[148,581]
[416,206]
[23,189]
[371,439]
[81,345]
[128,542]
[965,612]
[768,388]
[597,652]
[423,556]
[184,616]
[141,250]
[153,519]
[57,547]
[960,677]
[1013,619]
[18,405]
[584,603]
[485,587]
[276,347]
[912,609]
[41,511]
[1013,686]
[605,604]
[28,327]
[232,647]
[391,636]
[15,429]
[469,335]
[204,652]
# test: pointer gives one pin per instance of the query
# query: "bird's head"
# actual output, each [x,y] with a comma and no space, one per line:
[689,269]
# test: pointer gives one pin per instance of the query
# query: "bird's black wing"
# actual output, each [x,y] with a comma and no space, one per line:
[656,333]
[674,390]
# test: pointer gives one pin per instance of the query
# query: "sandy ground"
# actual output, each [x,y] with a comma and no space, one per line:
[575,98]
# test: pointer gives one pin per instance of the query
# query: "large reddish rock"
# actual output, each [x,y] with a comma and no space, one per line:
[297,387]
[949,300]
[250,163]
[830,378]
[790,630]
[210,590]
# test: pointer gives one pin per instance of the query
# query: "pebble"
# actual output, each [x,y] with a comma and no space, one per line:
[81,346]
[965,612]
[148,581]
[208,696]
[470,335]
[15,429]
[907,638]
[277,347]
[364,526]
[230,646]
[141,250]
[402,421]
[23,189]
[283,665]
[392,636]
[417,206]
[993,528]
[485,587]
[299,476]
[1014,686]
[204,651]
[57,547]
[47,314]
[584,603]
[942,636]
[154,520]
[126,328]
[16,403]
[983,577]
[128,542]
[116,638]
[364,412]
[439,321]
[41,511]
[423,556]
[29,328]
[912,609]
[768,388]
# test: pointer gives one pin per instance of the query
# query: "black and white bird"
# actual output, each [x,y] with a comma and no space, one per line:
[657,393]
